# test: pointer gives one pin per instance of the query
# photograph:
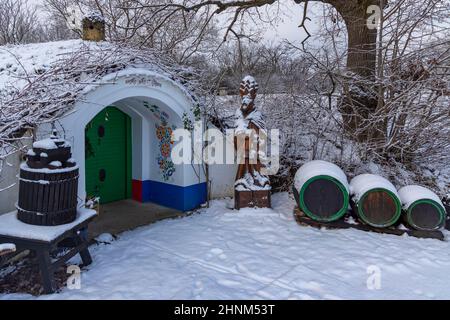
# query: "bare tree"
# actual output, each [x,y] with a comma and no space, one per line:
[410,88]
[18,21]
[362,41]
[408,127]
[180,34]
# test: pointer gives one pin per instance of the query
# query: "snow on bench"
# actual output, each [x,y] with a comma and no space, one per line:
[6,248]
[13,227]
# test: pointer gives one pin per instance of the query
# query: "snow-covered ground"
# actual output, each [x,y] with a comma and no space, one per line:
[221,253]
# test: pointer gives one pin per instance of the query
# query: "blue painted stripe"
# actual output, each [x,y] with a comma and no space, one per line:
[172,196]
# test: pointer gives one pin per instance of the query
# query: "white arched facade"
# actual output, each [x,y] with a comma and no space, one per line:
[151,100]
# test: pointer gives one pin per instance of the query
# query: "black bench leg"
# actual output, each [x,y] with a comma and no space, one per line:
[84,254]
[45,266]
[85,257]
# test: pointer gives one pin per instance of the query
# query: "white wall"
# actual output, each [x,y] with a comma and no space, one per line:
[222,176]
[9,177]
[222,180]
[8,197]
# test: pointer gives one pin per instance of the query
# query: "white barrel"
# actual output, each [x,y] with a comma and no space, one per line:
[422,207]
[375,200]
[322,191]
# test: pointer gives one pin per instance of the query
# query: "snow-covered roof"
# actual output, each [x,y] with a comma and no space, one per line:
[18,61]
[41,82]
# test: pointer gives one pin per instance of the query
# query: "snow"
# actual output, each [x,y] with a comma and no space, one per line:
[35,181]
[247,182]
[311,133]
[362,183]
[11,226]
[220,253]
[20,62]
[24,166]
[410,194]
[246,101]
[95,17]
[50,78]
[7,247]
[251,80]
[317,168]
[34,59]
[46,144]
[105,238]
[241,124]
[56,163]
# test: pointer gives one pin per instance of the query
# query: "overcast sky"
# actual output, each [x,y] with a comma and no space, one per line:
[290,16]
[286,27]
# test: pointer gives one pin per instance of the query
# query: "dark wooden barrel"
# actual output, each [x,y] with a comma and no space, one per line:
[378,208]
[47,197]
[375,200]
[425,214]
[423,209]
[323,198]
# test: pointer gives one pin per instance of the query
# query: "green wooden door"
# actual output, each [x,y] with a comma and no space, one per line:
[108,156]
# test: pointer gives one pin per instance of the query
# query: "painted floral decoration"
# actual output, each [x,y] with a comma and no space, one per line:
[165,141]
[165,150]
[165,163]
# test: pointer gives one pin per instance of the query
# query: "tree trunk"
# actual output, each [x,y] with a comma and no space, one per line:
[359,100]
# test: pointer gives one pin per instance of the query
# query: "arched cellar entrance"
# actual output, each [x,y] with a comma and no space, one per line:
[120,132]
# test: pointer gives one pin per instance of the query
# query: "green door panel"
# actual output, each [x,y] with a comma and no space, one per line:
[108,156]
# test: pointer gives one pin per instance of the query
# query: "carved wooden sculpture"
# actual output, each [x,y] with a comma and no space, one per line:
[252,187]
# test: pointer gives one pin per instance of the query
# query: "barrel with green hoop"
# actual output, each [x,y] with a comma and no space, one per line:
[423,210]
[321,191]
[375,200]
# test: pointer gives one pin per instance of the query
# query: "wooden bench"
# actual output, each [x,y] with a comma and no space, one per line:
[70,239]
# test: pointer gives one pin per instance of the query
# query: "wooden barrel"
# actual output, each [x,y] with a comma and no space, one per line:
[375,200]
[47,197]
[423,210]
[321,190]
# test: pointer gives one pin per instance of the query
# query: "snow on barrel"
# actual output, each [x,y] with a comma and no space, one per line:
[321,190]
[375,200]
[48,184]
[423,208]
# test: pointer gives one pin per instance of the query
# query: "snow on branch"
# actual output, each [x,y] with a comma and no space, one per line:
[47,94]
